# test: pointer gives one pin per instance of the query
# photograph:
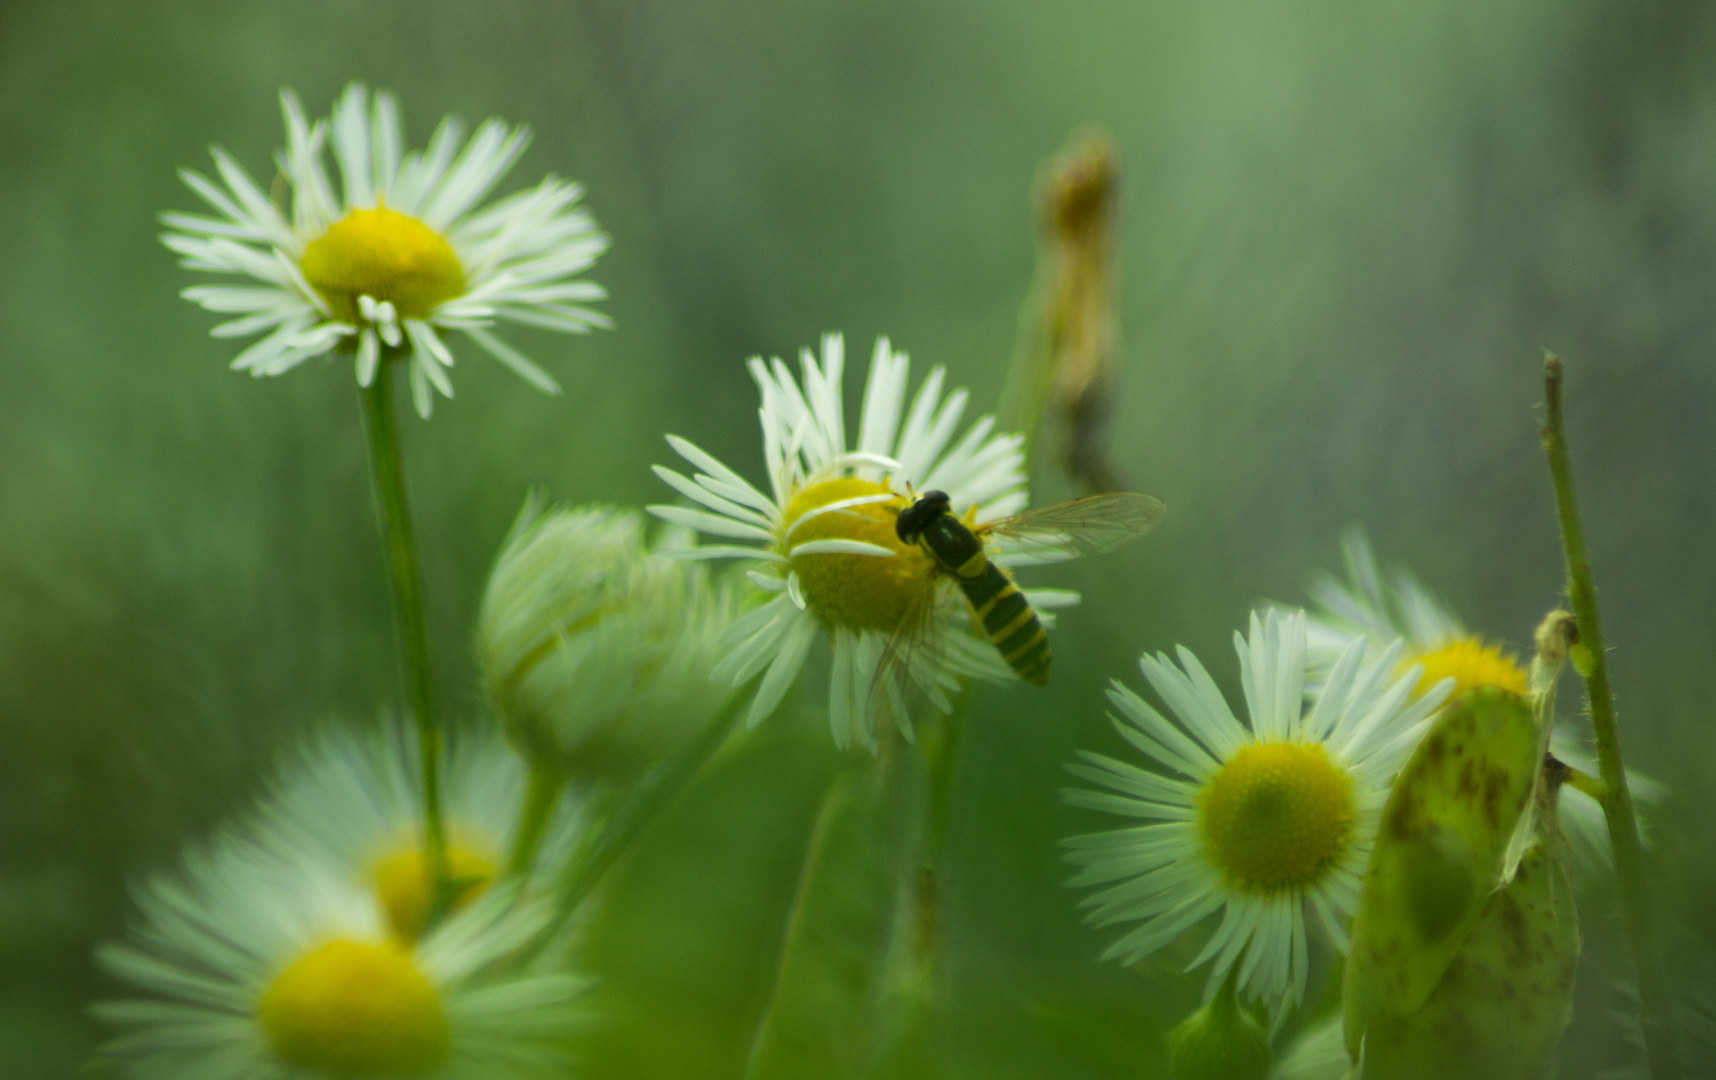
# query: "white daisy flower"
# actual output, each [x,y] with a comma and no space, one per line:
[1261,820]
[352,799]
[825,534]
[399,256]
[261,962]
[1362,607]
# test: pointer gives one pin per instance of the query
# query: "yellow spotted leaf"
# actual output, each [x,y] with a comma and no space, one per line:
[1439,853]
[1503,1002]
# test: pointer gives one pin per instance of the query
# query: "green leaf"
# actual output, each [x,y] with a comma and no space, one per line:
[1504,1001]
[1439,854]
[826,1014]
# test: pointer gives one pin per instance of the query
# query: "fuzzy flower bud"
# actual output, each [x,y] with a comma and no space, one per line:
[596,653]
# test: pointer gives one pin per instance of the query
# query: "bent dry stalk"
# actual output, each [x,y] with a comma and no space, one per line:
[1616,799]
[408,610]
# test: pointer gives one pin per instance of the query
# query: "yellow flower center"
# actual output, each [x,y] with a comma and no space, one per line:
[858,591]
[386,255]
[1276,815]
[352,1008]
[403,883]
[1470,663]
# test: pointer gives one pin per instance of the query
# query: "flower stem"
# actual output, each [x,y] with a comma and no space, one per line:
[408,609]
[940,744]
[1590,785]
[645,802]
[914,978]
[1636,900]
[543,792]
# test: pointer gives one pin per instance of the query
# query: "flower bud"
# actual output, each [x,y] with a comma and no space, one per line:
[596,653]
[1220,1041]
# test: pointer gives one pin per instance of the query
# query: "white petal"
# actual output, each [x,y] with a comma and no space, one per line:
[368,354]
[420,393]
[696,493]
[1053,599]
[385,125]
[719,551]
[351,146]
[512,358]
[719,472]
[1180,751]
[836,507]
[884,393]
[713,524]
[795,643]
[766,582]
[839,547]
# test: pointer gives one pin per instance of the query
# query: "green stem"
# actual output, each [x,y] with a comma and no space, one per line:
[408,608]
[1590,785]
[941,750]
[1636,901]
[939,741]
[540,796]
[640,808]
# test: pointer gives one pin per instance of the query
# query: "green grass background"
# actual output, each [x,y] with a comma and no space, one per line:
[1347,231]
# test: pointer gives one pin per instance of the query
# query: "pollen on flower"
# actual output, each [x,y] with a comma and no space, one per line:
[386,255]
[402,883]
[1470,663]
[355,1008]
[859,591]
[1276,815]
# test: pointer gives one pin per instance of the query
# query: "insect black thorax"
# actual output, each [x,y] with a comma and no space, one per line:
[931,522]
[913,519]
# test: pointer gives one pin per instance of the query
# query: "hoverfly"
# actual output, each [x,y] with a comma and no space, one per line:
[1063,530]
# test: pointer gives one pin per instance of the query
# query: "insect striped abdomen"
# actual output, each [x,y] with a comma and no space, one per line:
[1010,622]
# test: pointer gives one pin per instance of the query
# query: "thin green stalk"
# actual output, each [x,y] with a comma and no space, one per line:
[912,975]
[408,609]
[1585,782]
[543,792]
[1636,901]
[940,744]
[938,741]
[646,801]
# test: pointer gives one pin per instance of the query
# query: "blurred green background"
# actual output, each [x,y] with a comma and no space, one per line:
[1347,231]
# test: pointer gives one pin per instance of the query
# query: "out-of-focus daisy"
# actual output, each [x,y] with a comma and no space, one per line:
[351,799]
[1261,820]
[398,256]
[262,962]
[1364,608]
[824,530]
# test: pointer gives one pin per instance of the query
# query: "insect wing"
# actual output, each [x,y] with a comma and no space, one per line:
[1076,527]
[909,676]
